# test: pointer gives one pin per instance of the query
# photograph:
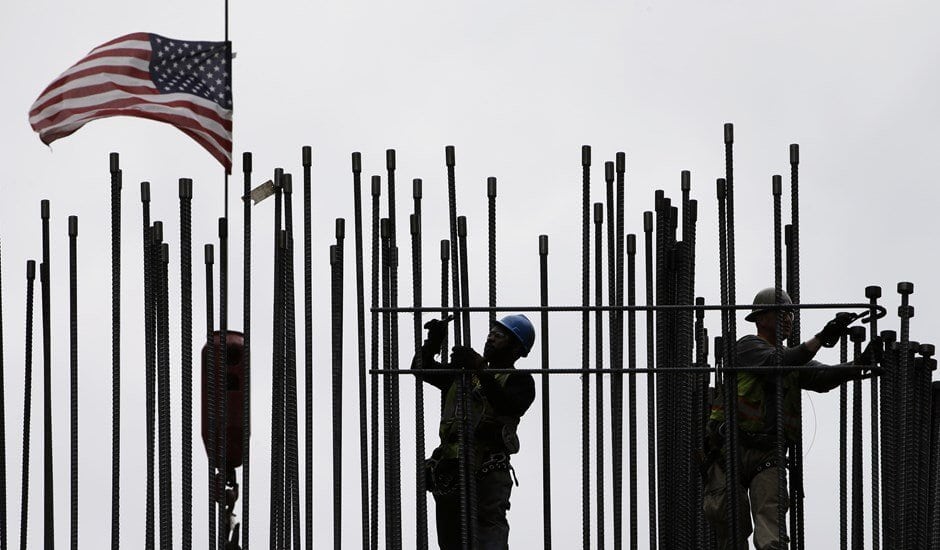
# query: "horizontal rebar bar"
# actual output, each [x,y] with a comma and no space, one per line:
[881,311]
[665,369]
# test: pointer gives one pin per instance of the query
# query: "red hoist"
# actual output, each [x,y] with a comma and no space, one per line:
[230,425]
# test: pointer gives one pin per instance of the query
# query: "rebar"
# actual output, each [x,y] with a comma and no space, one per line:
[650,379]
[857,335]
[292,462]
[631,364]
[246,350]
[873,293]
[796,489]
[599,361]
[209,393]
[491,241]
[27,401]
[376,268]
[546,402]
[73,378]
[585,348]
[336,262]
[843,452]
[222,388]
[307,160]
[186,357]
[780,443]
[421,502]
[163,400]
[46,284]
[616,400]
[3,437]
[469,448]
[390,166]
[361,334]
[907,444]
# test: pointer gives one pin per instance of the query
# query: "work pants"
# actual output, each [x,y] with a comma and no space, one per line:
[758,498]
[492,529]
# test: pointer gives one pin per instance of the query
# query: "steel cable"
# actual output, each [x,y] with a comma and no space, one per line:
[27,401]
[73,379]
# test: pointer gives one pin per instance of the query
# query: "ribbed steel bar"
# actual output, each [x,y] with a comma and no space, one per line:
[927,364]
[222,373]
[888,399]
[585,347]
[668,307]
[163,398]
[73,378]
[115,351]
[729,377]
[689,394]
[650,379]
[631,380]
[278,492]
[599,361]
[907,444]
[246,352]
[46,286]
[616,382]
[376,189]
[186,358]
[27,401]
[469,447]
[3,437]
[336,260]
[934,510]
[386,386]
[780,439]
[361,334]
[390,166]
[663,428]
[546,403]
[491,242]
[445,300]
[857,335]
[873,293]
[617,379]
[701,410]
[307,160]
[150,365]
[796,456]
[421,497]
[292,462]
[843,452]
[209,393]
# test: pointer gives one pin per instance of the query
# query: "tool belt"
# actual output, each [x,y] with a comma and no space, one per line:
[441,476]
[497,462]
[713,450]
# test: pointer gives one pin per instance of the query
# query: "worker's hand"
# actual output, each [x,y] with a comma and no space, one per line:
[437,331]
[464,357]
[872,353]
[831,333]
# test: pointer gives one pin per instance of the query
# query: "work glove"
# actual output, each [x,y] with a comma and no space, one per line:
[437,331]
[834,329]
[464,357]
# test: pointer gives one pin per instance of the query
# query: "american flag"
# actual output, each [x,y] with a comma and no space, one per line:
[183,83]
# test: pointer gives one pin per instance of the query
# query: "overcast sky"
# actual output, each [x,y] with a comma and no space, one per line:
[517,87]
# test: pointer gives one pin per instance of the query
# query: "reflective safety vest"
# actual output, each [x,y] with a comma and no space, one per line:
[754,403]
[492,433]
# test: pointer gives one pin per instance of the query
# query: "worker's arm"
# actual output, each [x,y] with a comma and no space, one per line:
[753,350]
[425,364]
[825,379]
[514,398]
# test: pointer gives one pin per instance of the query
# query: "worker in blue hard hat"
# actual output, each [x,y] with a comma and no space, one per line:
[496,403]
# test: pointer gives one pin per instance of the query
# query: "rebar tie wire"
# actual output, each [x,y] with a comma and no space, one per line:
[246,351]
[585,347]
[115,351]
[73,390]
[27,400]
[186,355]
[361,333]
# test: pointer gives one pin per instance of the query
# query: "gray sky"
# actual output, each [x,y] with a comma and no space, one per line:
[517,88]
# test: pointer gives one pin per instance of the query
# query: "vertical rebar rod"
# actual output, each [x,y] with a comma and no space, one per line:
[585,347]
[650,379]
[307,159]
[905,312]
[873,293]
[857,335]
[277,539]
[616,380]
[73,376]
[336,260]
[445,301]
[780,439]
[421,497]
[246,352]
[599,360]
[843,453]
[376,268]
[27,401]
[150,364]
[209,391]
[934,510]
[664,436]
[3,437]
[394,380]
[631,380]
[186,357]
[450,160]
[469,447]
[222,369]
[46,280]
[387,385]
[796,492]
[163,402]
[115,351]
[546,403]
[361,334]
[292,461]
[491,241]
[729,377]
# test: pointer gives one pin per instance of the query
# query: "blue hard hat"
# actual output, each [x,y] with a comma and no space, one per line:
[520,326]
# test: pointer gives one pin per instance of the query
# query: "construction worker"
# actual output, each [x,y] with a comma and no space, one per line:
[495,404]
[756,404]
